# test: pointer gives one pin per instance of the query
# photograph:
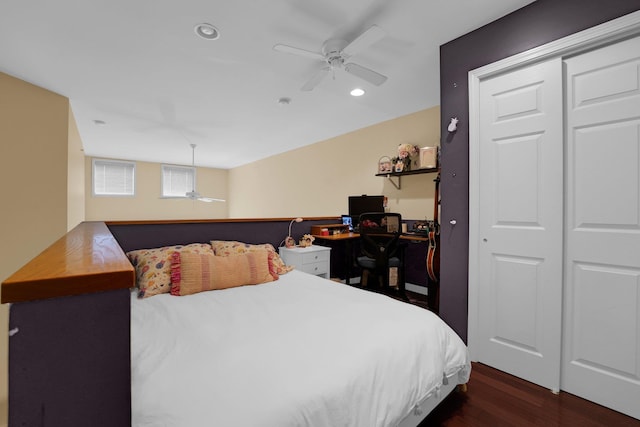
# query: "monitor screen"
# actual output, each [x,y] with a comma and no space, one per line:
[362,204]
[346,220]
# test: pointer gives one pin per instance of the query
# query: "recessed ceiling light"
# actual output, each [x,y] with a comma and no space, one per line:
[284,101]
[357,92]
[207,31]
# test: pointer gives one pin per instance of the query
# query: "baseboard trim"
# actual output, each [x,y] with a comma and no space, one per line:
[422,290]
[418,289]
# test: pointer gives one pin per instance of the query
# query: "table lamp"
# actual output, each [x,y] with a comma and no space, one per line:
[289,242]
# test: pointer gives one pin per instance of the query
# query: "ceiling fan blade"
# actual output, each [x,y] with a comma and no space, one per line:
[210,199]
[365,73]
[297,51]
[364,40]
[315,80]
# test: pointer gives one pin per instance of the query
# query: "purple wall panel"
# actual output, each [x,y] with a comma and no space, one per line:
[69,362]
[142,236]
[534,25]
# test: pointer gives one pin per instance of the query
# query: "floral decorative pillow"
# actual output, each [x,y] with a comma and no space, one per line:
[193,273]
[231,247]
[153,266]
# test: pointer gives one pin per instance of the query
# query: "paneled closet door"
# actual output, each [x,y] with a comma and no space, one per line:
[601,343]
[520,222]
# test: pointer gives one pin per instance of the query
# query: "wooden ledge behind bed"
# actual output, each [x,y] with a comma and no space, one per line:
[87,259]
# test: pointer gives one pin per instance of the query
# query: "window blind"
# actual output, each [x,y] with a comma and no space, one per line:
[113,178]
[177,180]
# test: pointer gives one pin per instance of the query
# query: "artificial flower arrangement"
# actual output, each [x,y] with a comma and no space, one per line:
[402,162]
[306,240]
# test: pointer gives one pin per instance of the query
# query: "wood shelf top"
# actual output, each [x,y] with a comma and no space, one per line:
[87,259]
[411,172]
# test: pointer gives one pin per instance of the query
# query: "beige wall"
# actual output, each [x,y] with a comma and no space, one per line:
[316,180]
[311,181]
[147,204]
[33,169]
[75,176]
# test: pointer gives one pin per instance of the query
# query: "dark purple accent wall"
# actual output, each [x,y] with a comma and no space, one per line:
[153,235]
[534,25]
[69,362]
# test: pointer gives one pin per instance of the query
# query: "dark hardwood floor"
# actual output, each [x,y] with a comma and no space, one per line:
[496,399]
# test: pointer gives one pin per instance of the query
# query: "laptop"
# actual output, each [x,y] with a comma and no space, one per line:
[346,220]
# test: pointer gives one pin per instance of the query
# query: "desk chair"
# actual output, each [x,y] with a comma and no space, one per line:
[381,250]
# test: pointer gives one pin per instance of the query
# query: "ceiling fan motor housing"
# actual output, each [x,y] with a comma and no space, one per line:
[333,48]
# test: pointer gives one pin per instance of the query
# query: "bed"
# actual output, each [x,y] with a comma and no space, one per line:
[298,351]
[82,342]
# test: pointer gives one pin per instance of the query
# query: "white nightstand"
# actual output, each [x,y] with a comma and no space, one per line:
[312,259]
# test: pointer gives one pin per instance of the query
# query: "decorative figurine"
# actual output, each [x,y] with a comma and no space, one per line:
[453,126]
[306,240]
[289,242]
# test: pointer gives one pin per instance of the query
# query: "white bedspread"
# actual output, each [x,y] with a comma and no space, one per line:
[300,351]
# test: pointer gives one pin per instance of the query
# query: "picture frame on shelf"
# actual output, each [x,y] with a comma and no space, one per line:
[384,165]
[428,158]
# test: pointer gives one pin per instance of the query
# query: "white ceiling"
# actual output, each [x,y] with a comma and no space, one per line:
[138,66]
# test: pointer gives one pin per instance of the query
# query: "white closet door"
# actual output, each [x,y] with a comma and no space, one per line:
[520,222]
[601,345]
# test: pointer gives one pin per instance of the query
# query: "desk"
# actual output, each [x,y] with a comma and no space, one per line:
[347,238]
[351,236]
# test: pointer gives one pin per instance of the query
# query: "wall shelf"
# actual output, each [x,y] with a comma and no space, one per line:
[398,175]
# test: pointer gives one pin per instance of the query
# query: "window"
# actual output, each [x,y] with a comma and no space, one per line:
[177,181]
[113,178]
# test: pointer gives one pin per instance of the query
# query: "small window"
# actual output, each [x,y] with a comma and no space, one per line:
[177,181]
[113,178]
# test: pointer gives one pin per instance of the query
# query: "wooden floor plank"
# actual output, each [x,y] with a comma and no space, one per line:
[496,399]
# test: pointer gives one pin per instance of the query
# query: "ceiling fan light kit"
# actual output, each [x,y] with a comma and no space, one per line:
[335,53]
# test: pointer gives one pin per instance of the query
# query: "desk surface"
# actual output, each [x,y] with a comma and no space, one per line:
[341,236]
[348,236]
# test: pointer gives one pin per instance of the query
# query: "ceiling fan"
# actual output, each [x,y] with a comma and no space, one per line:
[193,194]
[335,52]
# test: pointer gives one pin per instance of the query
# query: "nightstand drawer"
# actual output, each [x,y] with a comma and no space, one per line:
[315,267]
[316,256]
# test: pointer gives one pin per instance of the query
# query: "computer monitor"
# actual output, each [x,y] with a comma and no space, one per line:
[361,204]
[346,220]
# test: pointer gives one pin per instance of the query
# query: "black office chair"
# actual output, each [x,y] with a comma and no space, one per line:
[381,250]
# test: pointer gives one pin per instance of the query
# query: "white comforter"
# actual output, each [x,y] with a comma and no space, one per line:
[301,351]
